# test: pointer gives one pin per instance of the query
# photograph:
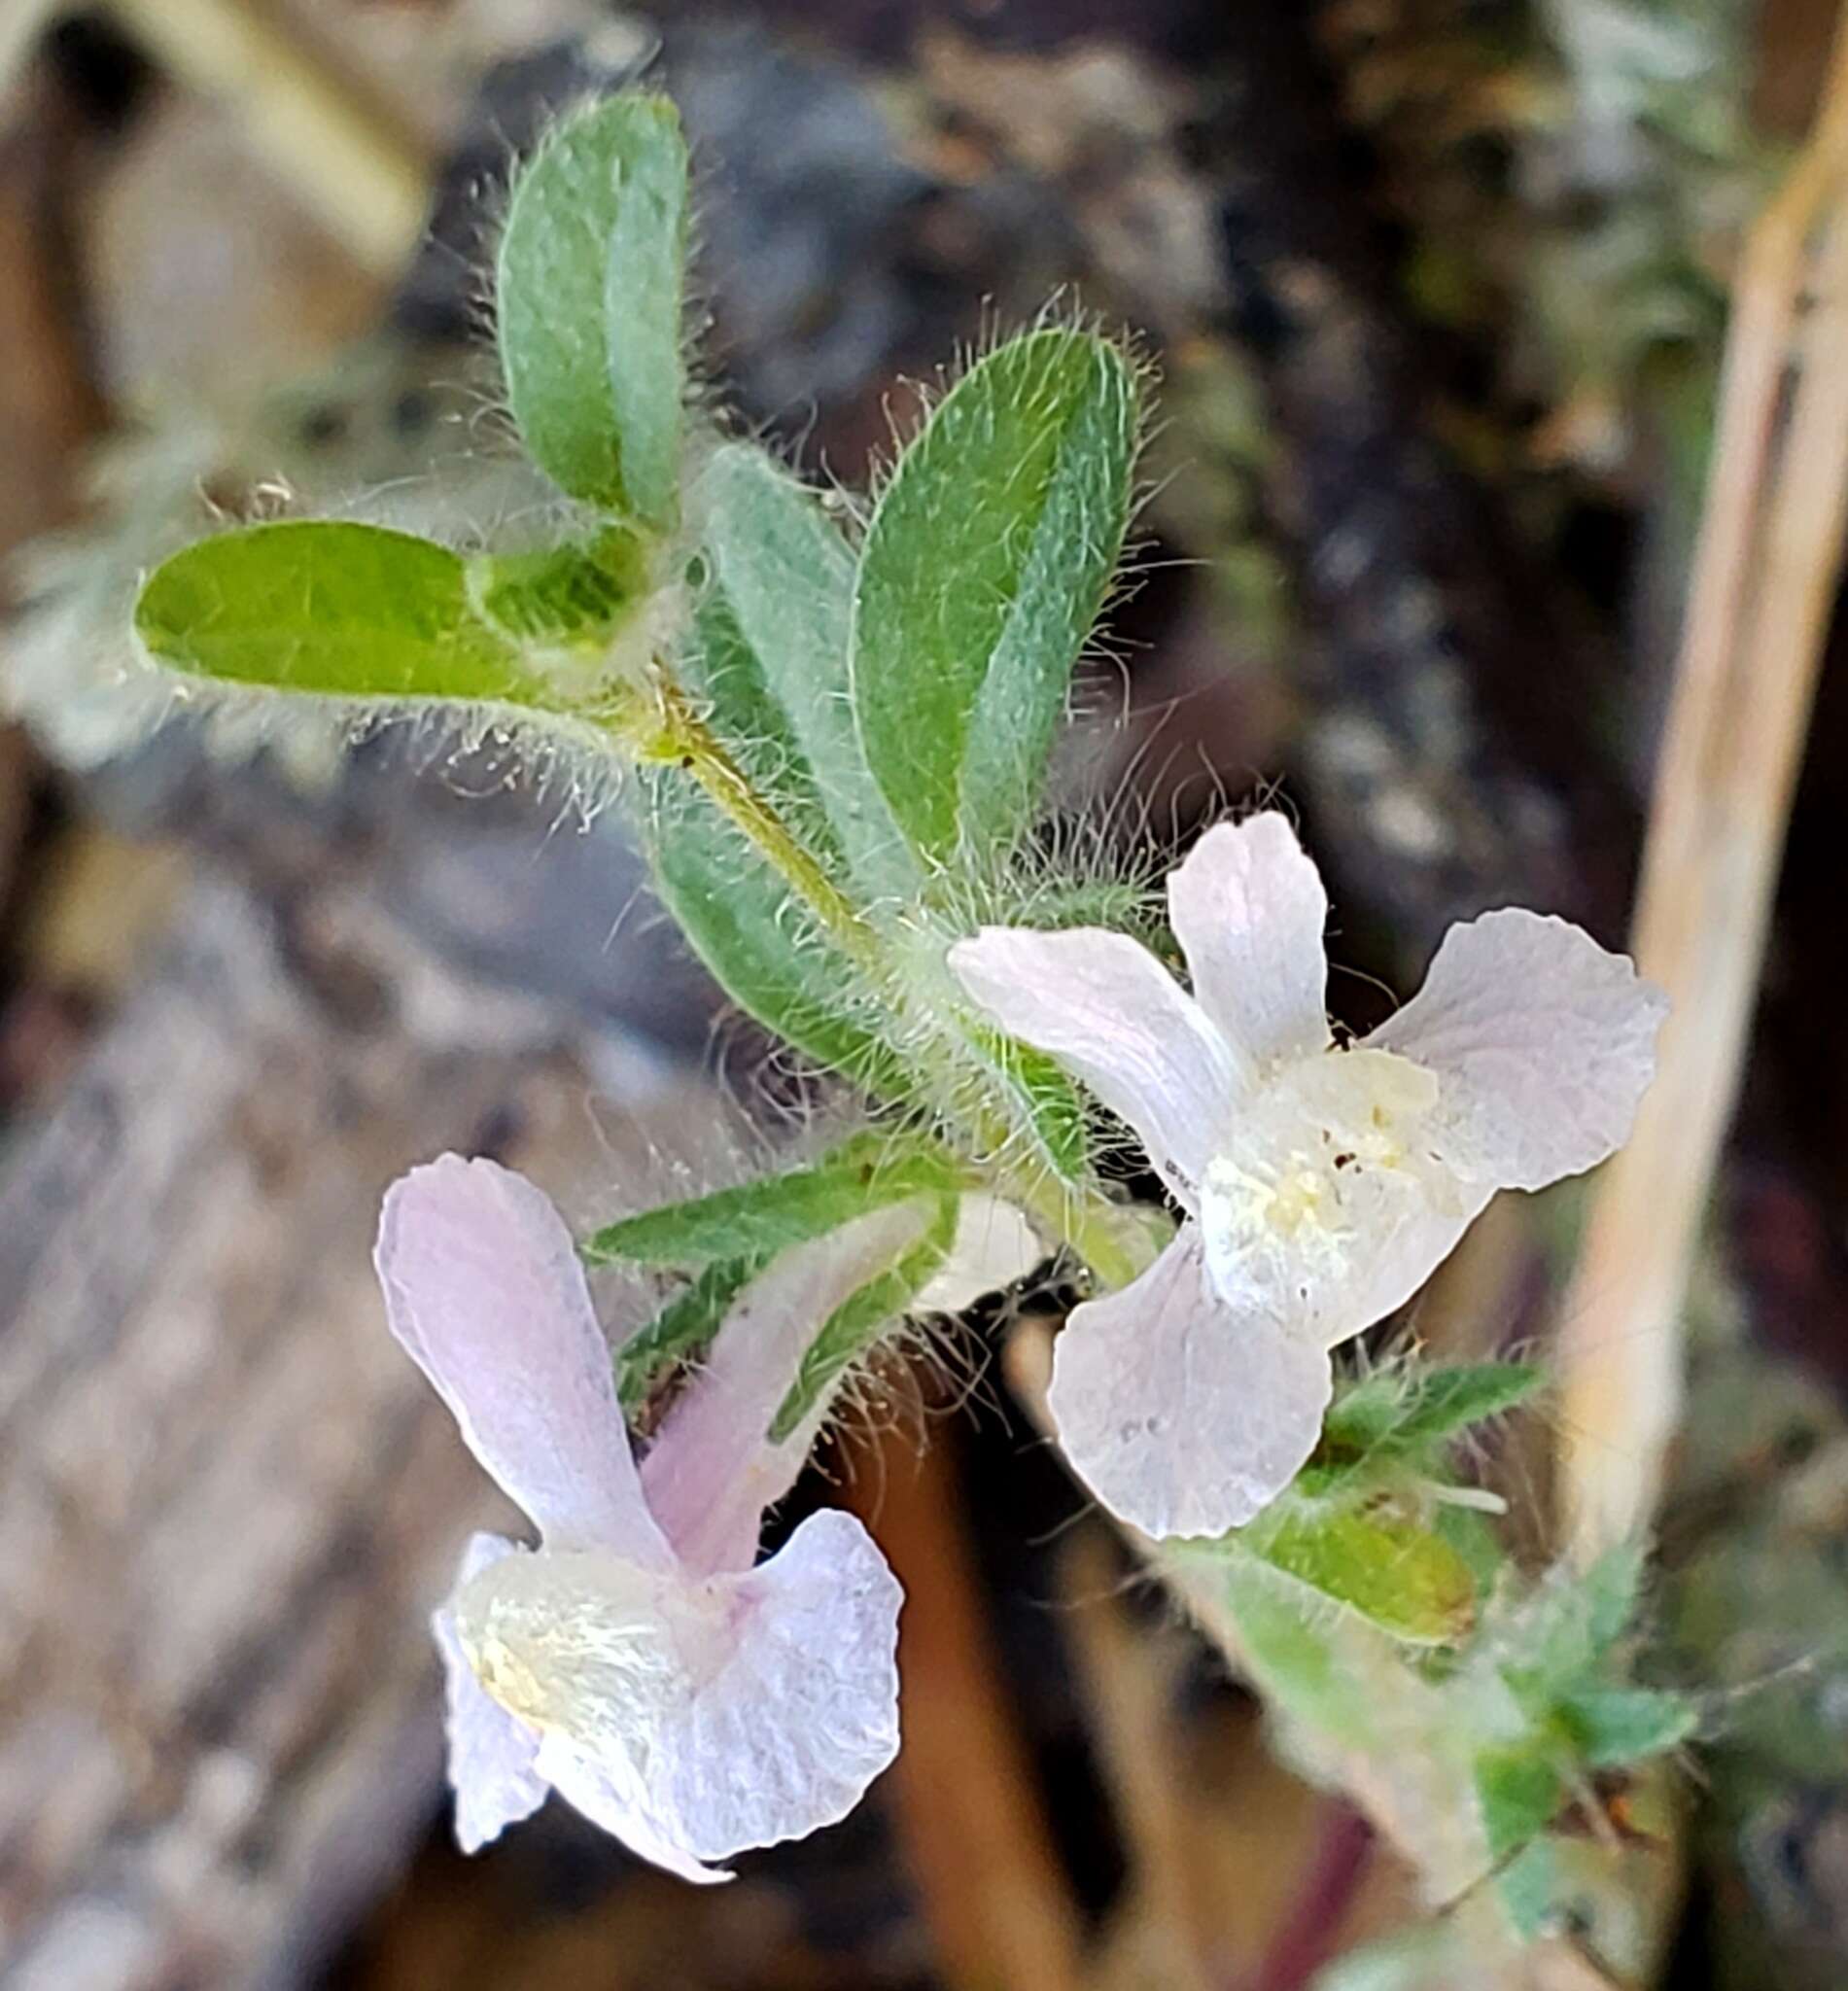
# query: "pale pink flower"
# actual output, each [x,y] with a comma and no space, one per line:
[636,1661]
[1323,1181]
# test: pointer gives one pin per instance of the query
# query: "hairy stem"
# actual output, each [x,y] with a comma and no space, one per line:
[678,734]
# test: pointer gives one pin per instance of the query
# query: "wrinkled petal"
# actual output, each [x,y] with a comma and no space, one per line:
[1180,1416]
[1108,1010]
[1543,1044]
[790,1735]
[492,1754]
[585,1788]
[695,1720]
[1249,911]
[484,1290]
[1326,1295]
[993,1247]
[713,1470]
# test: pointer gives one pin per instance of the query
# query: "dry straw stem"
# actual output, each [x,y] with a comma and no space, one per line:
[1764,581]
[362,169]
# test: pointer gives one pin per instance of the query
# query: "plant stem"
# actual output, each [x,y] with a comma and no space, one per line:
[1765,574]
[680,736]
[670,730]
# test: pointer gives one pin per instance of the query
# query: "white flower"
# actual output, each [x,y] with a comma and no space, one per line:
[1323,1181]
[637,1662]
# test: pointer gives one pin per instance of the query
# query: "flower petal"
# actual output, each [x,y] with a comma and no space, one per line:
[1107,1009]
[786,1738]
[1322,1297]
[483,1288]
[1543,1044]
[1248,908]
[994,1246]
[492,1753]
[1180,1416]
[713,1470]
[584,1785]
[694,1719]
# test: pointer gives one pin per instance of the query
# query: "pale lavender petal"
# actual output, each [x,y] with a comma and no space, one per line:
[1323,1292]
[586,1788]
[1543,1044]
[1108,1010]
[1249,911]
[713,1470]
[1180,1416]
[483,1288]
[696,1719]
[492,1753]
[786,1737]
[993,1247]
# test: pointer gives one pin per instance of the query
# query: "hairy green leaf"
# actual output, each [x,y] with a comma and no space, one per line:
[1519,1790]
[1405,1579]
[571,597]
[857,1323]
[588,302]
[765,948]
[1616,1726]
[986,565]
[685,1325]
[334,609]
[1043,1098]
[1407,1408]
[762,1217]
[785,575]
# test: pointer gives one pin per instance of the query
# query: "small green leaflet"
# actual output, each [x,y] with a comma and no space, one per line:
[1614,1727]
[589,297]
[784,574]
[684,1327]
[763,1217]
[759,943]
[987,563]
[334,609]
[854,1327]
[1043,1098]
[570,597]
[1401,1410]
[1401,1577]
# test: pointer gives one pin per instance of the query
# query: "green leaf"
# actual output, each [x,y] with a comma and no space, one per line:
[784,574]
[854,1325]
[1520,1793]
[763,1217]
[572,597]
[332,609]
[762,946]
[1043,1098]
[1616,1726]
[1293,1653]
[987,563]
[1407,1581]
[1562,1635]
[1407,1408]
[588,300]
[684,1326]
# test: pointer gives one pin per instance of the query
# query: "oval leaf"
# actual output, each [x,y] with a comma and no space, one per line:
[770,1214]
[987,561]
[571,597]
[1403,1577]
[588,300]
[334,609]
[763,948]
[786,576]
